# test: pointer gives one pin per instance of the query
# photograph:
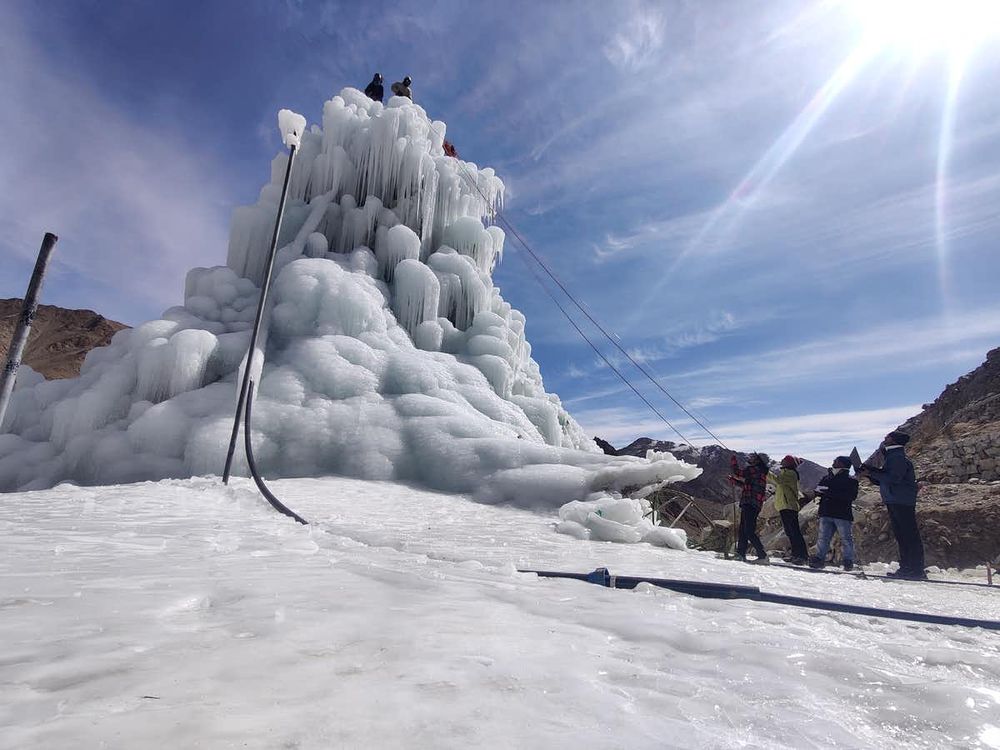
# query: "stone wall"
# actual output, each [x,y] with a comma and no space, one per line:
[965,453]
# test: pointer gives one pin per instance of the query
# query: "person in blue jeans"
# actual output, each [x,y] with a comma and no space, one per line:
[897,483]
[837,492]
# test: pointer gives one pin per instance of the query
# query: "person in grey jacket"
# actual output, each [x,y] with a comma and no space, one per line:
[897,483]
[402,88]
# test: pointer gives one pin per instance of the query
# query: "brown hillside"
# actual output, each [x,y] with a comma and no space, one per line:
[60,338]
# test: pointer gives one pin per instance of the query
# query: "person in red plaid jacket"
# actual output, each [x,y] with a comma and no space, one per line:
[752,481]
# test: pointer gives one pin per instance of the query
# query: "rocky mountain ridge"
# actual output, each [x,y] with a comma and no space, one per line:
[713,485]
[60,338]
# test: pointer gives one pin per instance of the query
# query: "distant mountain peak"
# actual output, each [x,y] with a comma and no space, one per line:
[60,338]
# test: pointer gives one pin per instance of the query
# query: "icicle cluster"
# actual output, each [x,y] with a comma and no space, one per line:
[390,354]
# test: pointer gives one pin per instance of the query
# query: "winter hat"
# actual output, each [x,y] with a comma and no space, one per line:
[899,438]
[789,462]
[842,462]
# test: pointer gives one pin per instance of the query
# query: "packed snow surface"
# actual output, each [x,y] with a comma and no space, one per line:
[386,350]
[186,614]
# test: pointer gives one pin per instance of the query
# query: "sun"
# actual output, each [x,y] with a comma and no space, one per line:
[924,27]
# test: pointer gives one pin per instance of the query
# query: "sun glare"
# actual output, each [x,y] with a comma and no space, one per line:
[924,27]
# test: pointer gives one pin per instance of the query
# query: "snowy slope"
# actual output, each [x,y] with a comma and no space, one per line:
[185,614]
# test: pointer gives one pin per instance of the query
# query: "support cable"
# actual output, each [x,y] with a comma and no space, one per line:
[501,218]
[600,354]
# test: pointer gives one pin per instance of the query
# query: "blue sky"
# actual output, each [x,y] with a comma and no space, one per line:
[753,196]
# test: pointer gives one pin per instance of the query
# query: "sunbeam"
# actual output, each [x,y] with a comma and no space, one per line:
[955,70]
[724,220]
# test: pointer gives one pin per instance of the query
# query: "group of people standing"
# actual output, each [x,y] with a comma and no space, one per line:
[375,91]
[836,492]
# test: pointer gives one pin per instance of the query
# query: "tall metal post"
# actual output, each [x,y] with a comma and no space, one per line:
[265,285]
[28,309]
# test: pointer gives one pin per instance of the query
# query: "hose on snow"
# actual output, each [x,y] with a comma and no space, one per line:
[706,590]
[258,480]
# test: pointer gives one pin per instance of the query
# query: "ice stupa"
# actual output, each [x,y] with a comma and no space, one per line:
[390,354]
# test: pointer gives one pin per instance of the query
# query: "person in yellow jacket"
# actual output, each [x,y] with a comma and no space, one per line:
[786,502]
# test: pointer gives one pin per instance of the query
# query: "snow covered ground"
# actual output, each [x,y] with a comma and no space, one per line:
[185,614]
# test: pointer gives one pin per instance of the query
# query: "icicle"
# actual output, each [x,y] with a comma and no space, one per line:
[468,237]
[416,292]
[395,245]
[473,293]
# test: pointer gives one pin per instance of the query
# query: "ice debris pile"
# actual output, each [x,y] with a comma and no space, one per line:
[605,517]
[389,352]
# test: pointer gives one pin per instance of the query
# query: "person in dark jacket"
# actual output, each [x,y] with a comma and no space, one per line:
[897,483]
[753,490]
[837,492]
[374,90]
[402,88]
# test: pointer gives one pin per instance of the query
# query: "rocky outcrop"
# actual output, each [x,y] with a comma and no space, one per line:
[956,439]
[714,461]
[605,446]
[60,338]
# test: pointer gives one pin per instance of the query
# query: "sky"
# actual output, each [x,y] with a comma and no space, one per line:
[785,211]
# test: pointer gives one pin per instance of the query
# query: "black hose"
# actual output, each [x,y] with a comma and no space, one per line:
[707,590]
[893,614]
[275,502]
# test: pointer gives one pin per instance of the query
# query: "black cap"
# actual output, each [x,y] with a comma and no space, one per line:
[899,438]
[842,462]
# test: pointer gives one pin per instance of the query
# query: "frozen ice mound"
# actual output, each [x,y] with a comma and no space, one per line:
[388,352]
[609,517]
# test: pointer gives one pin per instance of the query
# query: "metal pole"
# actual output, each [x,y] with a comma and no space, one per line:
[28,309]
[241,401]
[681,514]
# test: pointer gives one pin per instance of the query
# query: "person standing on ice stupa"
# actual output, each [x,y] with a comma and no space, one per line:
[374,90]
[402,88]
[753,489]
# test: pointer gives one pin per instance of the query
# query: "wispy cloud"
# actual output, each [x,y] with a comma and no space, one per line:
[890,347]
[886,349]
[132,206]
[666,236]
[707,402]
[635,45]
[819,436]
[676,338]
